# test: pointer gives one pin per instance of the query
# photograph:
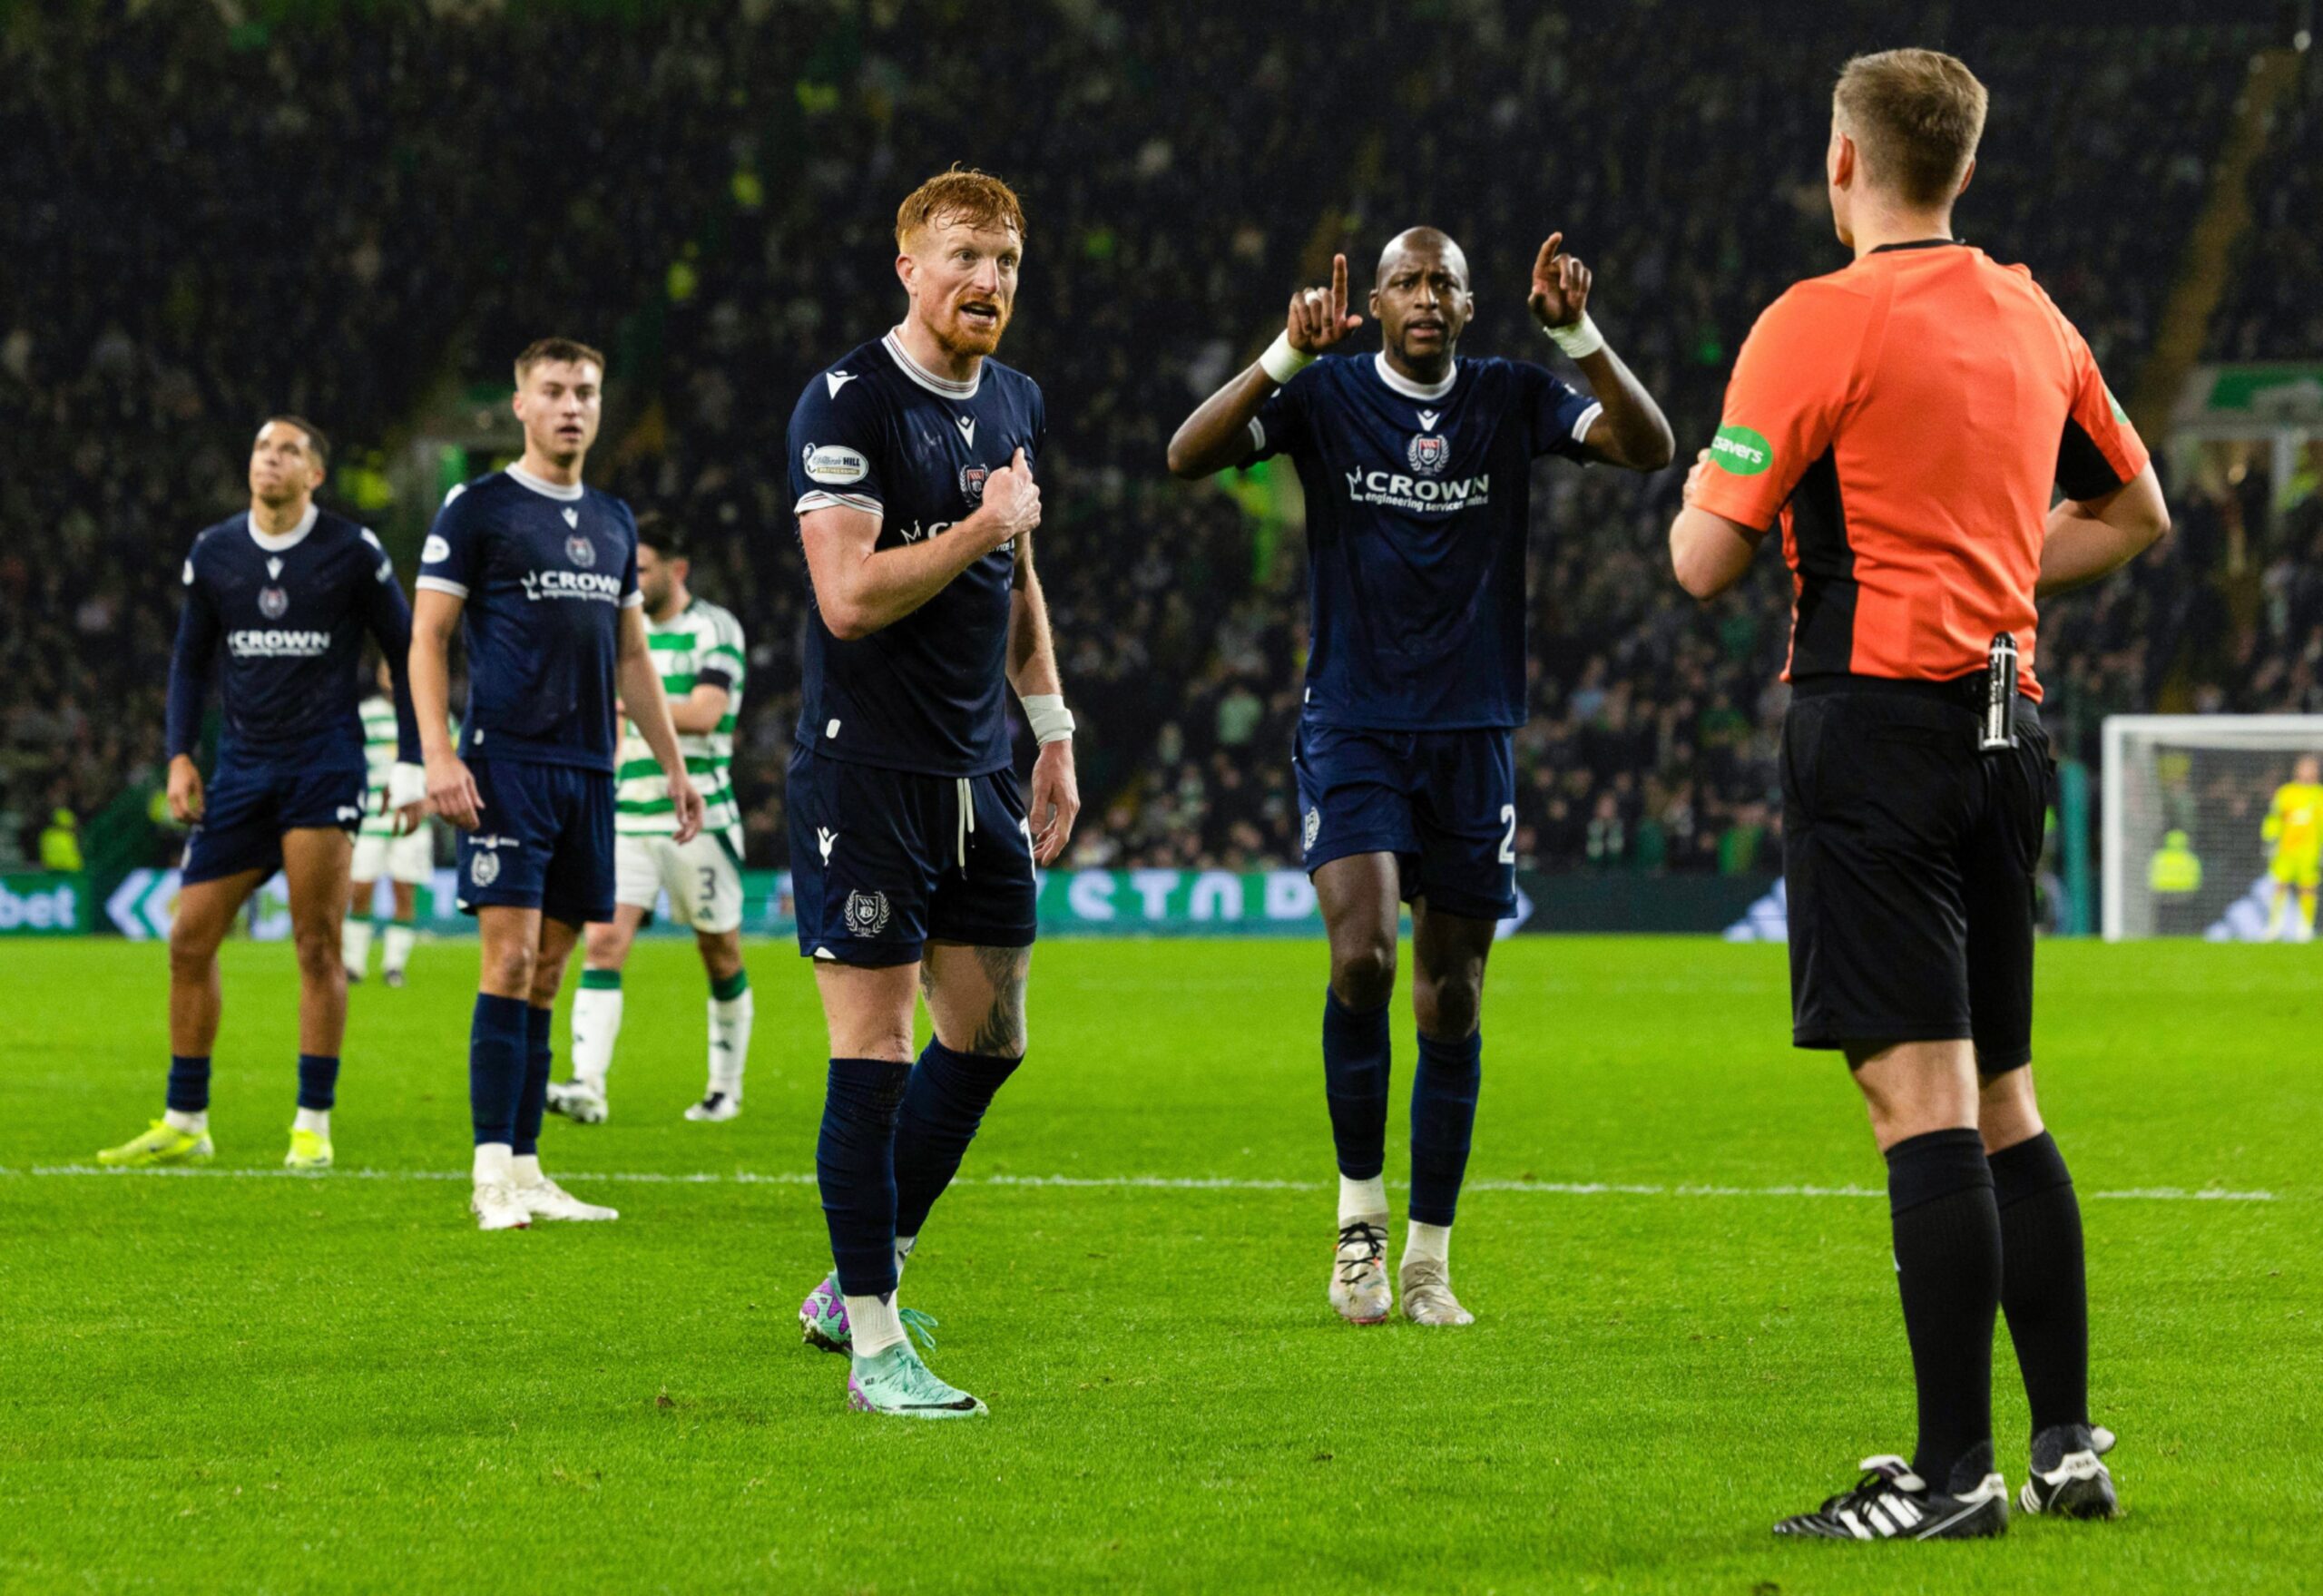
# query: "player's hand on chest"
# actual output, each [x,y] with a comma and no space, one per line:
[949,455]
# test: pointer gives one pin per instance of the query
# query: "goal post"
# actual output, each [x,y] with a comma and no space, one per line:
[2210,778]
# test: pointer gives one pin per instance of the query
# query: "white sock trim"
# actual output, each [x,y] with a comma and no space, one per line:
[524,1169]
[1362,1200]
[193,1124]
[315,1119]
[492,1162]
[1428,1243]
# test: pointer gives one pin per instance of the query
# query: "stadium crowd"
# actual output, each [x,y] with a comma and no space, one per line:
[344,219]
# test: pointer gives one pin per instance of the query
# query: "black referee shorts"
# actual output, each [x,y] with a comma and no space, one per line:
[1909,859]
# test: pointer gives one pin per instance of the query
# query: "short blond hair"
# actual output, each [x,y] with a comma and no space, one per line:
[1915,116]
[571,351]
[961,194]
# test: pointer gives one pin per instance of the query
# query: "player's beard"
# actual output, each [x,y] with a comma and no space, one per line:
[961,336]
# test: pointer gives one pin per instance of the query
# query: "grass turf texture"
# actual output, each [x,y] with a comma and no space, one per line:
[291,1384]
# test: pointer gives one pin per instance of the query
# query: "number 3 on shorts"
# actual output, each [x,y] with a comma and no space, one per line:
[1508,842]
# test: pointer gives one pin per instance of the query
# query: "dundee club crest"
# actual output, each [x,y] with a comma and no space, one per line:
[866,913]
[971,480]
[273,602]
[1429,455]
[579,550]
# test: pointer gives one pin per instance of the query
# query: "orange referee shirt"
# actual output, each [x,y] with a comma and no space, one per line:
[1907,417]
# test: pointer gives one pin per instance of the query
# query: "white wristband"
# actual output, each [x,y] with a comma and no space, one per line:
[1045,713]
[406,784]
[1577,338]
[1281,362]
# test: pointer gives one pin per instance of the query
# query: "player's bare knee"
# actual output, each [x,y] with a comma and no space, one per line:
[194,953]
[509,971]
[1364,974]
[1448,1007]
[318,948]
[2007,1111]
[603,946]
[721,954]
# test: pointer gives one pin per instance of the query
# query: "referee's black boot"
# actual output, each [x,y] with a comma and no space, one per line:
[1890,1503]
[2067,1480]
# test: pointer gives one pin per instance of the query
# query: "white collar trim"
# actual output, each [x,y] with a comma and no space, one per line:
[927,378]
[543,486]
[1406,387]
[278,542]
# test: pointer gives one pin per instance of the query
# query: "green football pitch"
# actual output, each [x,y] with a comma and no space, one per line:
[1674,1242]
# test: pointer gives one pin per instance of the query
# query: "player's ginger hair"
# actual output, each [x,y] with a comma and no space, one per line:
[572,351]
[961,194]
[1915,116]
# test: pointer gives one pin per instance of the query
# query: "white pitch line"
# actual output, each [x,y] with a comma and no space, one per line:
[1106,1182]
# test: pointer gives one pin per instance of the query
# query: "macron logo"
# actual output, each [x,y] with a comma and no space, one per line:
[826,840]
[968,428]
[836,380]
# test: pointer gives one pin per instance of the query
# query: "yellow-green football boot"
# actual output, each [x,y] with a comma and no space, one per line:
[162,1143]
[308,1150]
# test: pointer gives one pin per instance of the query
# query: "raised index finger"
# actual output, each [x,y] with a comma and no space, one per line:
[1547,256]
[1339,289]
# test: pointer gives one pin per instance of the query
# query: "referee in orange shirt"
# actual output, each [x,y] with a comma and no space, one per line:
[1905,419]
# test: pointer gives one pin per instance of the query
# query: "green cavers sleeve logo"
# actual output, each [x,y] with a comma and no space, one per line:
[1741,451]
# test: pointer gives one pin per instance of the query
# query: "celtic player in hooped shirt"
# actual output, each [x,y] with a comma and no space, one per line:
[1416,467]
[912,850]
[698,649]
[277,601]
[542,571]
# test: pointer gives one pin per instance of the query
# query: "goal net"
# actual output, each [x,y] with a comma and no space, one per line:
[2197,786]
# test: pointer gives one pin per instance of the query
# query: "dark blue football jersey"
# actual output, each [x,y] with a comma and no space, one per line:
[287,615]
[1416,506]
[879,433]
[544,571]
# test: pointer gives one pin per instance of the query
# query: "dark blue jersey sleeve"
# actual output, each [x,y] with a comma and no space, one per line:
[192,661]
[388,620]
[1281,426]
[450,561]
[838,444]
[1557,414]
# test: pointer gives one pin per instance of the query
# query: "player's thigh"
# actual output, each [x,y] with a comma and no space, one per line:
[1353,794]
[1464,808]
[1875,807]
[316,861]
[704,881]
[986,894]
[205,912]
[976,996]
[1448,956]
[868,1008]
[867,844]
[1999,889]
[578,886]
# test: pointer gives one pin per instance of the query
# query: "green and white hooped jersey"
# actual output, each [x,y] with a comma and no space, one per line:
[700,637]
[378,712]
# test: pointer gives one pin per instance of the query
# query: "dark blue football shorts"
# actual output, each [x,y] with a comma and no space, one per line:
[544,841]
[1443,802]
[884,861]
[246,809]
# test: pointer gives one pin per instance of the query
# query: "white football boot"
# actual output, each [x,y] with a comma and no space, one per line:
[495,1206]
[1359,1289]
[544,1199]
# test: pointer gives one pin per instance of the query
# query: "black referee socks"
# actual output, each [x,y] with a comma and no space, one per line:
[1948,1266]
[2043,1285]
